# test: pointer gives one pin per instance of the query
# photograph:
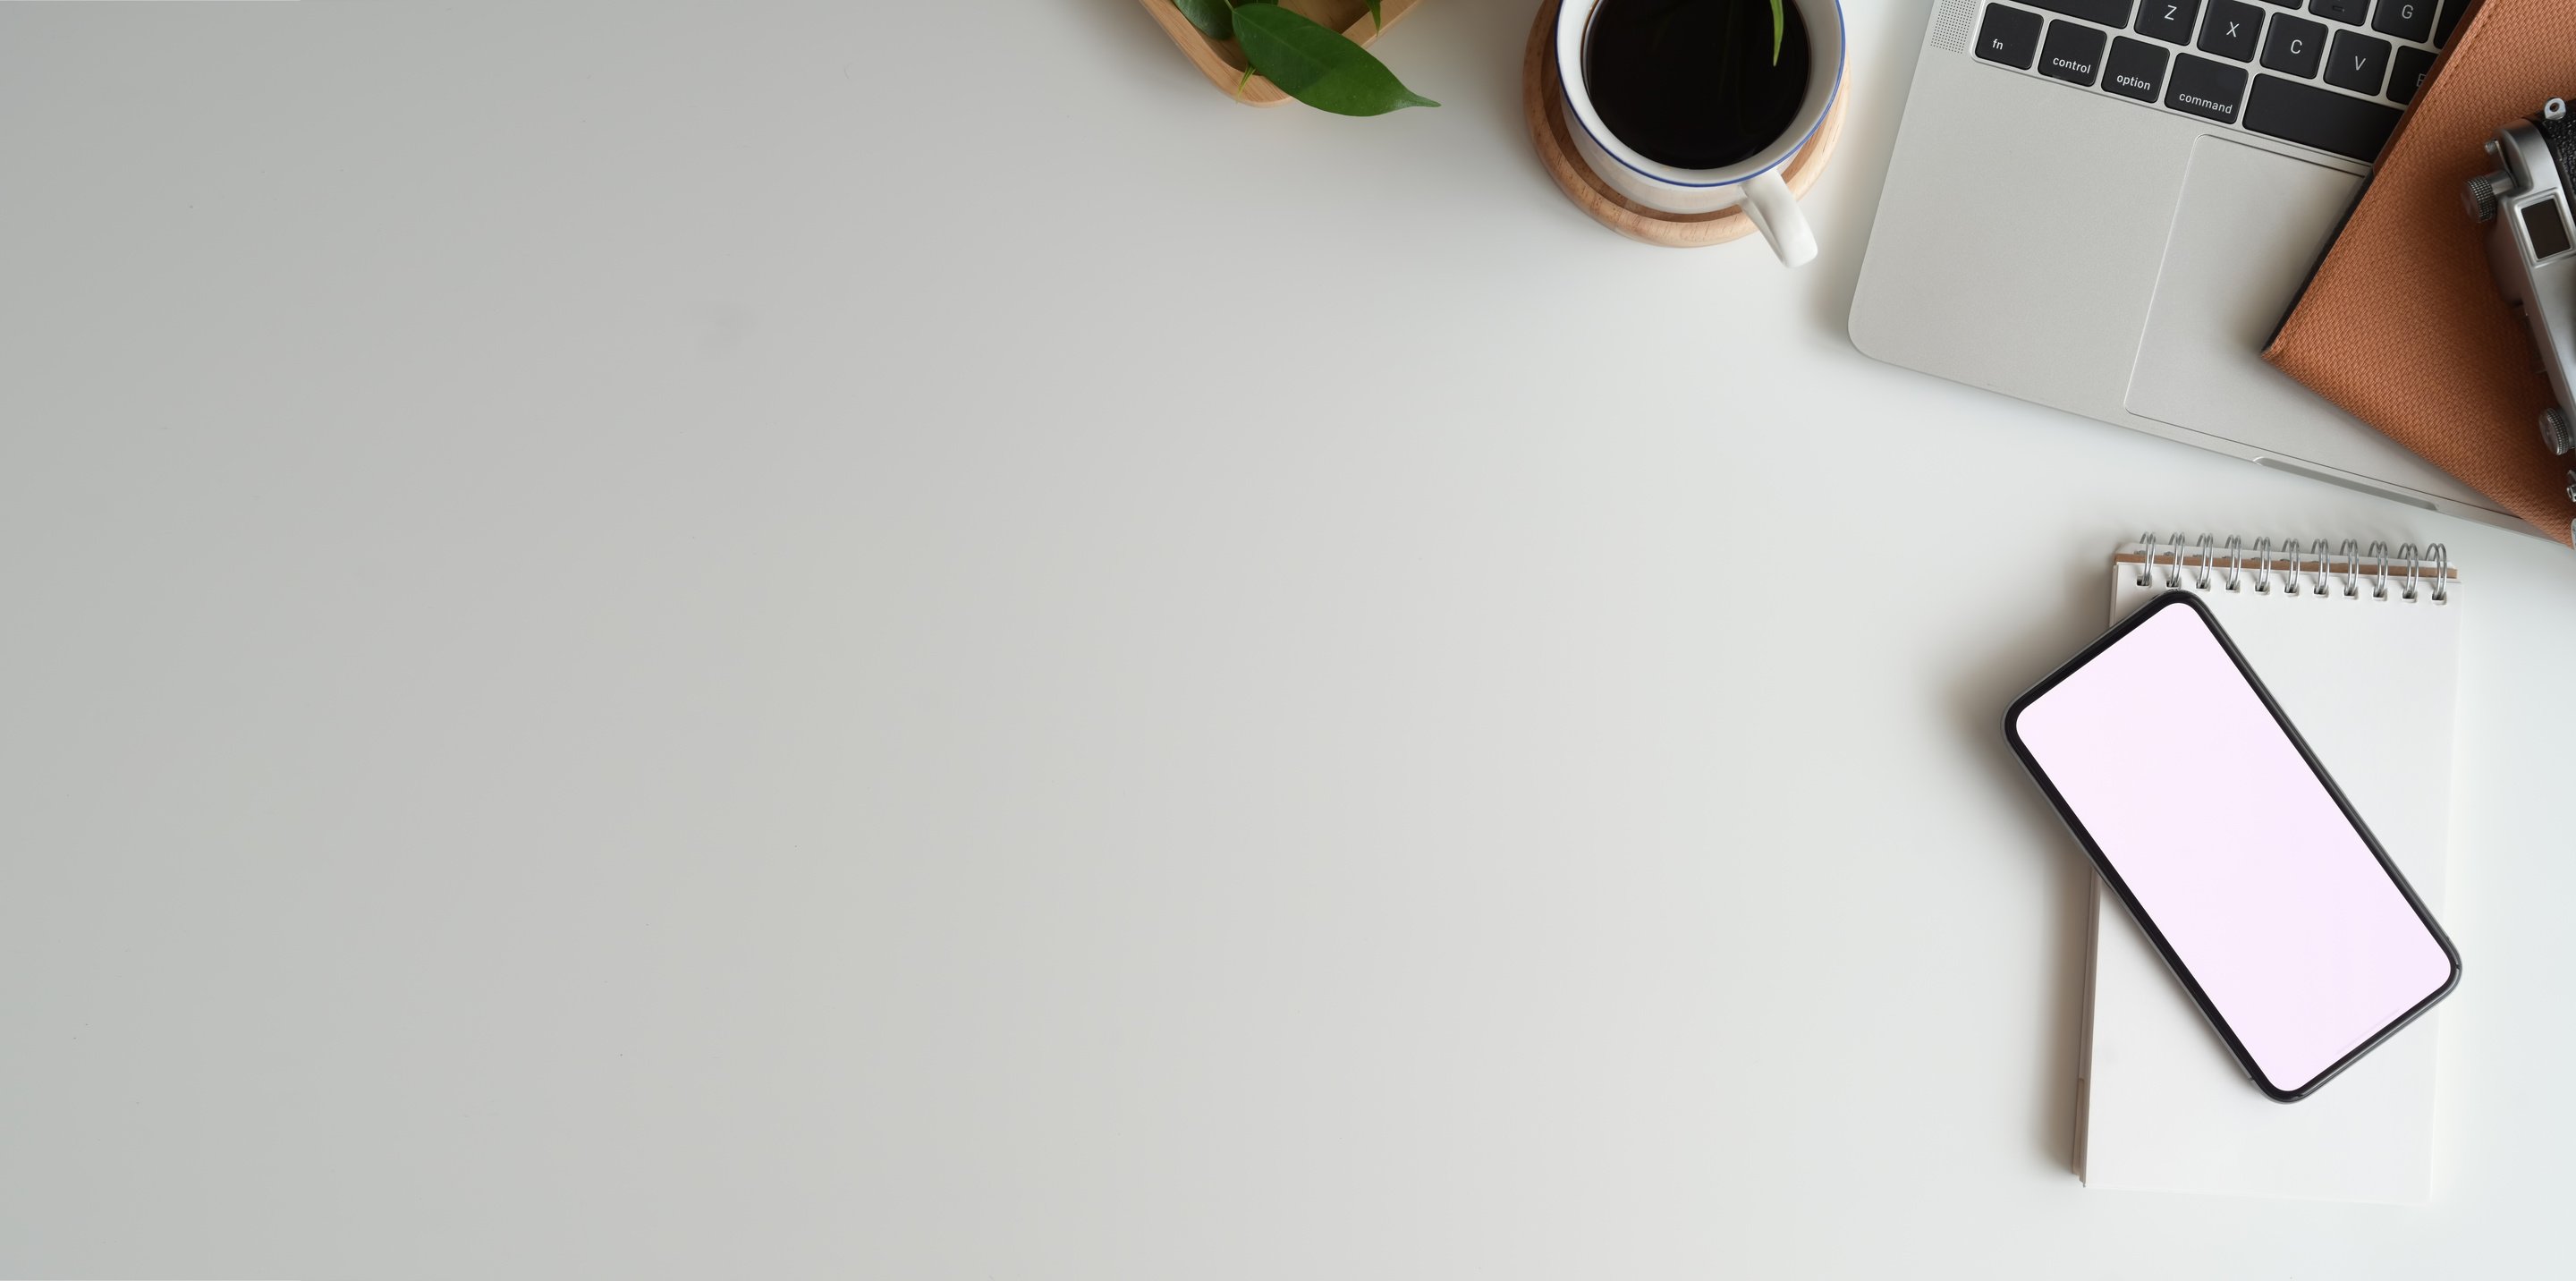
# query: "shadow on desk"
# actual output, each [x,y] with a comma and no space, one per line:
[2024,653]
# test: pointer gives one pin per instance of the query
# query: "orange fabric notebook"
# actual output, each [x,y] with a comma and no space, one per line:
[2402,325]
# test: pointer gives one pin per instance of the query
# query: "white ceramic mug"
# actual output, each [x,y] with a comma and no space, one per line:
[1753,182]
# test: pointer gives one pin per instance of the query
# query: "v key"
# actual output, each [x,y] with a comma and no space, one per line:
[2358,63]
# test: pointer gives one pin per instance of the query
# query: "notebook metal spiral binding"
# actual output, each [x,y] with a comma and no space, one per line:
[2297,571]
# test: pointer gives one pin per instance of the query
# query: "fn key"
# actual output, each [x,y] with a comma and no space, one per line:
[2010,36]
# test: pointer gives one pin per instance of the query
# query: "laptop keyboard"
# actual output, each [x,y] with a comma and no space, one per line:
[2333,75]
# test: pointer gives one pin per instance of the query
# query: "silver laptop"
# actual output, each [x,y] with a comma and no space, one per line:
[2107,205]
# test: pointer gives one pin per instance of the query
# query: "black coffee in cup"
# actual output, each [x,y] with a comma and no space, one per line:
[1695,83]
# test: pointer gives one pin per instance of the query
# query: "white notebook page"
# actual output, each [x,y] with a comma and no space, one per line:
[2370,683]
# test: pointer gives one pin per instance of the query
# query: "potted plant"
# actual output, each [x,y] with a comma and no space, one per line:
[1315,51]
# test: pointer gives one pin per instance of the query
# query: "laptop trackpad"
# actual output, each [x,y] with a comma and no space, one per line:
[2249,228]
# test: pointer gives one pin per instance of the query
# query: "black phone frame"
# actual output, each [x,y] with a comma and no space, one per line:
[2110,876]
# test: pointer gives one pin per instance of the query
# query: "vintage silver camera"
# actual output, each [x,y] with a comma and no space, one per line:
[2532,247]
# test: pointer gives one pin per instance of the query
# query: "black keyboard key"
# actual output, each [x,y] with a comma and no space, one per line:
[2404,19]
[2169,20]
[2449,21]
[2206,88]
[2073,53]
[2352,11]
[2296,46]
[2110,13]
[2407,72]
[2135,69]
[2357,62]
[2010,36]
[2315,117]
[2232,29]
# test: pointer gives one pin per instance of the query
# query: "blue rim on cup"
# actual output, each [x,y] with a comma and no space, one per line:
[1753,183]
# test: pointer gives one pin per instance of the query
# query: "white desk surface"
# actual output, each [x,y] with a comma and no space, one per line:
[895,642]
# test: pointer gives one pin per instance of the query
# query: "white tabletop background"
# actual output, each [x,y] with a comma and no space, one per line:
[892,641]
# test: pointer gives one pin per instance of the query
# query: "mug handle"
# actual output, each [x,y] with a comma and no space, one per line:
[1776,215]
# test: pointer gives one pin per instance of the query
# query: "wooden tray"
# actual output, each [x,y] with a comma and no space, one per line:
[1543,104]
[1222,60]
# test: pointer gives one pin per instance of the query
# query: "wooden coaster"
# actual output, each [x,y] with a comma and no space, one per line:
[1543,103]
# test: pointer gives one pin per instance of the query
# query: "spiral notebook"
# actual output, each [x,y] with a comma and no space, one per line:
[2360,646]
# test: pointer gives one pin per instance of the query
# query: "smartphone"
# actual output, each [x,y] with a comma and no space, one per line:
[2208,816]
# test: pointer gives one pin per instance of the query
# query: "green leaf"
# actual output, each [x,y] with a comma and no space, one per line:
[1215,18]
[1376,19]
[1779,29]
[1319,66]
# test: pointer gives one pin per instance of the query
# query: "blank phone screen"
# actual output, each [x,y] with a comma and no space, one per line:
[2264,892]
